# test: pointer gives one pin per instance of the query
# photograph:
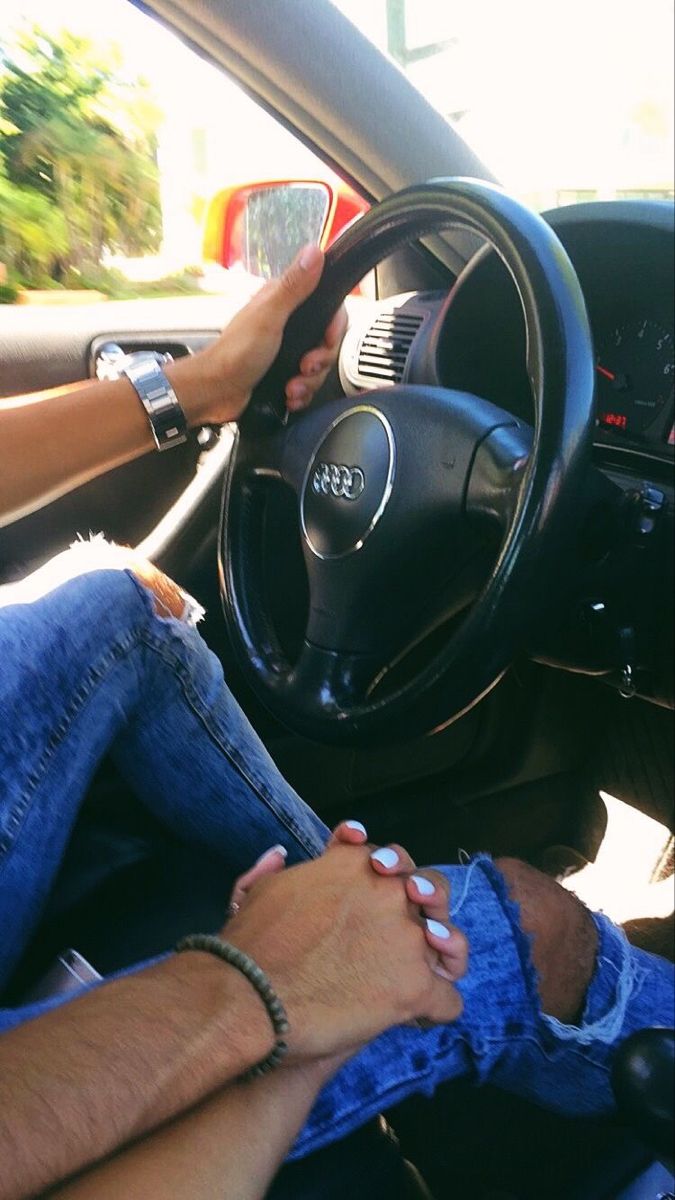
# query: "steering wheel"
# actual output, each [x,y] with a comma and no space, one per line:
[399,494]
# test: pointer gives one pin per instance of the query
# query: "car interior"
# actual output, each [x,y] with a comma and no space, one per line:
[468,654]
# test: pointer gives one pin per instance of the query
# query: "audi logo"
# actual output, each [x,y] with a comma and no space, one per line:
[335,479]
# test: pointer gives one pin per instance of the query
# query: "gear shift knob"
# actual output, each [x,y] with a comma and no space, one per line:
[642,1078]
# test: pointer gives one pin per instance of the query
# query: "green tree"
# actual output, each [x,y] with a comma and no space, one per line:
[32,231]
[77,136]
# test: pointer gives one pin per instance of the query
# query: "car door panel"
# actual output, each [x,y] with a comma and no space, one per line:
[124,504]
[40,349]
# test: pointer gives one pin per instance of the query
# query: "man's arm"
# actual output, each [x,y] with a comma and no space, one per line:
[51,442]
[232,1144]
[238,1138]
[337,942]
[98,1072]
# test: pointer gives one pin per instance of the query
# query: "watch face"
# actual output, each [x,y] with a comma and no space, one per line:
[143,362]
[112,361]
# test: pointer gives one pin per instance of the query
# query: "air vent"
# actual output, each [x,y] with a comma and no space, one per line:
[384,351]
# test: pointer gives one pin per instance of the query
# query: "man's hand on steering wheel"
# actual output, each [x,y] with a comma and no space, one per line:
[219,380]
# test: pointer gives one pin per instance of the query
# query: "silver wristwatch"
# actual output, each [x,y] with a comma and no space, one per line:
[167,419]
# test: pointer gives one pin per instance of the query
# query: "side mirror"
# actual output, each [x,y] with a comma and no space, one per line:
[259,227]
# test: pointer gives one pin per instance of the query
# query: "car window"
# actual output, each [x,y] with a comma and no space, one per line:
[119,148]
[562,102]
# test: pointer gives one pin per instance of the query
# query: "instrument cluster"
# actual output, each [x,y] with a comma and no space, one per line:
[635,385]
[623,253]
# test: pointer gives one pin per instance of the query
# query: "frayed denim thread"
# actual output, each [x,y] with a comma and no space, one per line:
[511,909]
[613,983]
[610,996]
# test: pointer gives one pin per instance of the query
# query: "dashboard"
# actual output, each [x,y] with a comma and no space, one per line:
[474,338]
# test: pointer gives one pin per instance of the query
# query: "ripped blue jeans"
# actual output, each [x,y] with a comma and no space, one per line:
[88,668]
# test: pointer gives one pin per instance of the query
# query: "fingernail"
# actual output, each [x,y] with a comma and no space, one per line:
[308,256]
[424,886]
[357,826]
[437,929]
[278,849]
[385,856]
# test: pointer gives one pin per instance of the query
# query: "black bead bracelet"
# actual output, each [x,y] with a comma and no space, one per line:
[259,980]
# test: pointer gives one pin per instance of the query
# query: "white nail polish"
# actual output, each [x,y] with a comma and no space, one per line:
[424,886]
[278,849]
[385,856]
[357,826]
[437,929]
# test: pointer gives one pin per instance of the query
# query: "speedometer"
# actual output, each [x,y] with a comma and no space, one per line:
[635,376]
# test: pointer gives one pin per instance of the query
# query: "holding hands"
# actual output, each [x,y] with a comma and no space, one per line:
[354,942]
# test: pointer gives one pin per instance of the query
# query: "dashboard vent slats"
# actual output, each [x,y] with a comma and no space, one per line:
[384,350]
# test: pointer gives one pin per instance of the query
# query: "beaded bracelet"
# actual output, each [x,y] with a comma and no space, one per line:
[257,977]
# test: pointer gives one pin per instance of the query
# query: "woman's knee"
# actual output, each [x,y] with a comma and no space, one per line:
[99,560]
[563,937]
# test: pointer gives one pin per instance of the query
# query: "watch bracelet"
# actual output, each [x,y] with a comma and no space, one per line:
[168,423]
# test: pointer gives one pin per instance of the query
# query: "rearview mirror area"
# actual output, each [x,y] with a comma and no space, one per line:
[259,227]
[277,221]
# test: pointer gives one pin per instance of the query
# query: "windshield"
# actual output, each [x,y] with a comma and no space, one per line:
[563,102]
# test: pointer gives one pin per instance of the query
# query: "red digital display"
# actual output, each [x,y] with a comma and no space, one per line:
[613,420]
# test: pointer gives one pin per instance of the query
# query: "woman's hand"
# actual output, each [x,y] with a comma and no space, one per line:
[215,385]
[427,889]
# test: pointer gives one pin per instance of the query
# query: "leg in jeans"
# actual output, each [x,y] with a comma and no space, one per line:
[92,666]
[89,668]
[551,991]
